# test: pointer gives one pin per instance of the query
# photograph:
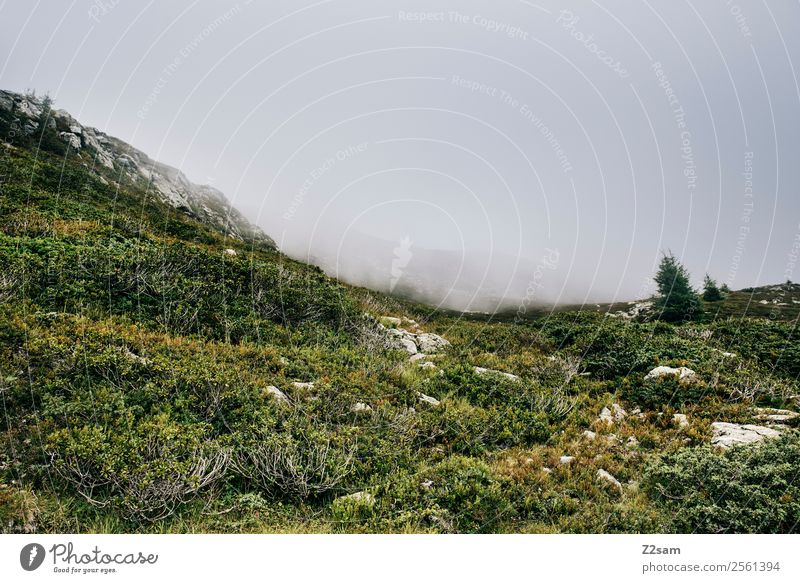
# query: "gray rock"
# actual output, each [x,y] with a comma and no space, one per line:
[731,434]
[681,420]
[431,343]
[685,375]
[590,435]
[566,459]
[604,475]
[508,375]
[416,357]
[428,400]
[360,408]
[428,365]
[6,101]
[364,498]
[73,140]
[278,395]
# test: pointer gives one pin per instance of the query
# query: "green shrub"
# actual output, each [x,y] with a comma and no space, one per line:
[752,489]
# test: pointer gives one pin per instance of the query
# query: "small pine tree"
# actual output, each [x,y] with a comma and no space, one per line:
[711,293]
[725,289]
[677,300]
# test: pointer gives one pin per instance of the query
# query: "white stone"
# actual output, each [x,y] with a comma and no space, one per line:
[358,497]
[604,475]
[428,365]
[299,385]
[231,252]
[360,408]
[428,342]
[684,374]
[681,420]
[416,357]
[279,395]
[566,459]
[508,375]
[590,435]
[730,434]
[428,400]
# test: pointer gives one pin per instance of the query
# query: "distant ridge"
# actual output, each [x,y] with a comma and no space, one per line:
[32,123]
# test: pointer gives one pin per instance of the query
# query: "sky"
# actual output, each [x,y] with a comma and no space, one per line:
[486,152]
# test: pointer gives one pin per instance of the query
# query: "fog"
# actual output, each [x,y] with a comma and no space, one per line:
[473,155]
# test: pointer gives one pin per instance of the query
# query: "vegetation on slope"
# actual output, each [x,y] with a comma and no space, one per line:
[139,350]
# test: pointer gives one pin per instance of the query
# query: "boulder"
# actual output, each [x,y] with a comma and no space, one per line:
[278,395]
[730,434]
[428,342]
[416,357]
[685,375]
[73,140]
[401,340]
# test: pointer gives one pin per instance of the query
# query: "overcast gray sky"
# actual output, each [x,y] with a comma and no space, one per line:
[583,138]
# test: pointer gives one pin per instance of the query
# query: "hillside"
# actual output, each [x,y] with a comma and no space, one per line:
[166,369]
[29,121]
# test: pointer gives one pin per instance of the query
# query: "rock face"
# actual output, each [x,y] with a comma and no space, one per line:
[730,434]
[127,164]
[685,375]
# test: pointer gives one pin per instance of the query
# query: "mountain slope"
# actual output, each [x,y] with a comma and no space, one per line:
[158,375]
[30,121]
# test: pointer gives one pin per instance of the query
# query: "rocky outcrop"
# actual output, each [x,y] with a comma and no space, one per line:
[730,434]
[121,161]
[413,343]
